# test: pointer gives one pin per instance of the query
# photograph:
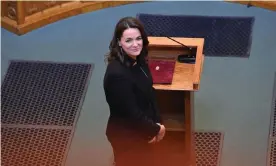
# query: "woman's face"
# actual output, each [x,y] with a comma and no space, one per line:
[132,42]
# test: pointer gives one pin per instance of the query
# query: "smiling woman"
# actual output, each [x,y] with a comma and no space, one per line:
[134,124]
[131,42]
[129,39]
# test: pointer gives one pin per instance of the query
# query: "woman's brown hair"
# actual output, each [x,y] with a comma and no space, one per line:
[115,52]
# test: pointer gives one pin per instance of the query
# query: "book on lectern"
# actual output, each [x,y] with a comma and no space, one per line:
[162,71]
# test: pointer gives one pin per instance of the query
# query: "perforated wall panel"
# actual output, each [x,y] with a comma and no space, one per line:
[271,154]
[273,129]
[224,36]
[33,146]
[208,146]
[273,113]
[43,93]
[41,102]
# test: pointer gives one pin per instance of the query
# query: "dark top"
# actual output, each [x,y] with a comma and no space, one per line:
[131,99]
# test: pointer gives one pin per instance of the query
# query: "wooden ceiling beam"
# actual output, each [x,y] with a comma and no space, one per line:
[20,12]
[269,5]
[21,17]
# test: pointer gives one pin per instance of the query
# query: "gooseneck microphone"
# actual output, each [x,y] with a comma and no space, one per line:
[189,57]
[186,57]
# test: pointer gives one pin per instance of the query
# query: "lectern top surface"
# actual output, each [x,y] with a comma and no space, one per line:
[186,76]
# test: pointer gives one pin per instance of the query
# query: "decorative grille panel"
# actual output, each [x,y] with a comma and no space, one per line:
[271,159]
[39,93]
[41,103]
[33,146]
[208,148]
[224,36]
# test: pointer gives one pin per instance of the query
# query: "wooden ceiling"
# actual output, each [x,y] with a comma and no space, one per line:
[21,17]
[268,4]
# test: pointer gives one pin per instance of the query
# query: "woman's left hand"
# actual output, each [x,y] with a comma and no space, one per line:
[153,140]
[161,135]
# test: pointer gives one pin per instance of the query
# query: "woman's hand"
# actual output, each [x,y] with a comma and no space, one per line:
[153,140]
[161,133]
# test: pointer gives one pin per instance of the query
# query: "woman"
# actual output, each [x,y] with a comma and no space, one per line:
[134,124]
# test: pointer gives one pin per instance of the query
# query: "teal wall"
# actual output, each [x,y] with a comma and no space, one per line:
[235,95]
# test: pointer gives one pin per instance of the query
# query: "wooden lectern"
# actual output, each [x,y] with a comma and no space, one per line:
[176,100]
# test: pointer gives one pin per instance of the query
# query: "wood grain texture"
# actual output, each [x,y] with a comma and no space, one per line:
[9,9]
[186,76]
[189,129]
[176,100]
[20,12]
[173,122]
[39,14]
[269,5]
[171,106]
[42,13]
[9,24]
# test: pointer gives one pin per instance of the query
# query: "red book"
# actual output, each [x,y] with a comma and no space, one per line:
[161,71]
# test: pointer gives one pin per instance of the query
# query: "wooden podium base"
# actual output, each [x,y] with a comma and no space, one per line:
[176,100]
[176,108]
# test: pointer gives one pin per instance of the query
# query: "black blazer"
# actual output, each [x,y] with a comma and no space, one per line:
[131,99]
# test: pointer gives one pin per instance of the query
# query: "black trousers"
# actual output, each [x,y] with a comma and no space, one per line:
[170,151]
[129,151]
[134,153]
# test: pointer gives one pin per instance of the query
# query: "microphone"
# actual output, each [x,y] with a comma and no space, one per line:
[182,58]
[186,57]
